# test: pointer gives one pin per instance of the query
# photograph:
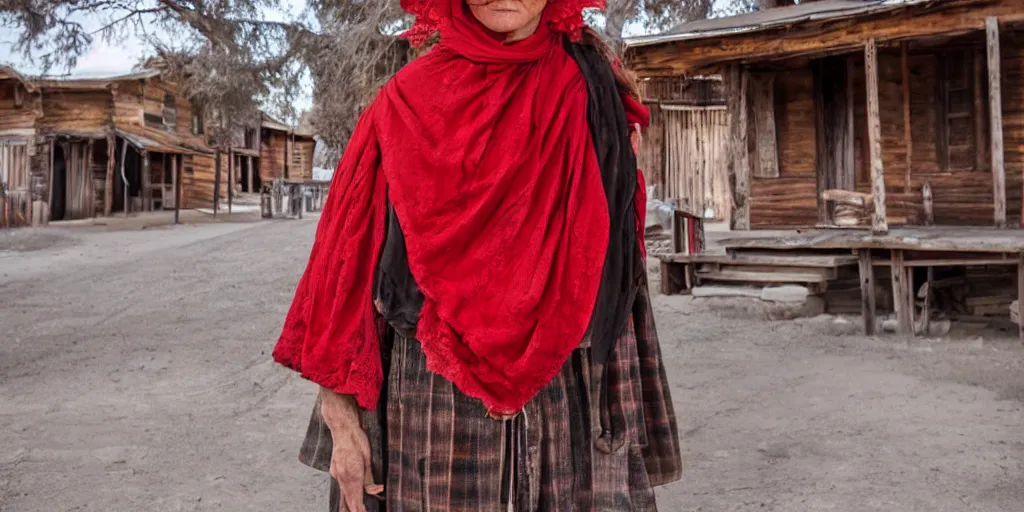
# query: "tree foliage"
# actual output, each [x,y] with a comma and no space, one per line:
[233,58]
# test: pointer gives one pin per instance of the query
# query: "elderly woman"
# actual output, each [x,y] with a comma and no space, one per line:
[475,308]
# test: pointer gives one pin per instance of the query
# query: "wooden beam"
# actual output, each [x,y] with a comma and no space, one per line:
[177,188]
[879,224]
[90,192]
[108,186]
[762,92]
[147,179]
[231,178]
[1020,297]
[995,107]
[867,291]
[216,182]
[907,136]
[981,152]
[739,162]
[902,293]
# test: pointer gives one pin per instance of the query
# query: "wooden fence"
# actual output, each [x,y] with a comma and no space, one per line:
[696,158]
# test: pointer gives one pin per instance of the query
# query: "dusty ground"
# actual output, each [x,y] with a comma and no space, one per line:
[134,375]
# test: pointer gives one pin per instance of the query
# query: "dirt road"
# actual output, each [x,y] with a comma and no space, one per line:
[135,376]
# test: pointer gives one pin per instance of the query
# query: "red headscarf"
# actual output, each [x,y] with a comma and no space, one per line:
[483,149]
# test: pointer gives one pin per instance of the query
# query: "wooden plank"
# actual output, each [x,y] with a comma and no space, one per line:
[216,182]
[231,178]
[879,224]
[763,277]
[739,168]
[907,137]
[147,188]
[995,107]
[900,293]
[926,299]
[176,168]
[762,97]
[779,260]
[867,291]
[1020,296]
[108,186]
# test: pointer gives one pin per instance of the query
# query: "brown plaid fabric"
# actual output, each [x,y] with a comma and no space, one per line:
[595,438]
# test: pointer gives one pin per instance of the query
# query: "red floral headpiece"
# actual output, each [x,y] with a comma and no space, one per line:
[564,16]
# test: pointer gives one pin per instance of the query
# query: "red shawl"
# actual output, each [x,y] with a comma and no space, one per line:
[484,151]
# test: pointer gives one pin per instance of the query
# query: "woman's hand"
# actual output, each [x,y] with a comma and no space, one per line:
[350,458]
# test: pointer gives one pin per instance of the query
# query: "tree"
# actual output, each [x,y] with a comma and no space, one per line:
[226,54]
[349,58]
[652,15]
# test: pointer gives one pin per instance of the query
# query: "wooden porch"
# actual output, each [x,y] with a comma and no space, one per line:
[917,265]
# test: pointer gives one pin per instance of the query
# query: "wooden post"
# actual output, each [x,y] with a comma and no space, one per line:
[981,153]
[108,186]
[147,185]
[250,176]
[907,135]
[902,294]
[739,162]
[90,195]
[995,107]
[926,294]
[879,224]
[124,176]
[177,189]
[231,178]
[1020,298]
[867,291]
[216,181]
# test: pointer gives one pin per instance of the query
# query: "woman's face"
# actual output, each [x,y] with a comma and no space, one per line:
[517,19]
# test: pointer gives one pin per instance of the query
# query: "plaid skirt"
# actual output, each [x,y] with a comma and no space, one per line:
[597,437]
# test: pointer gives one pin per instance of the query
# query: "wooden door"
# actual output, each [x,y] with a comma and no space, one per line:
[833,108]
[15,193]
[78,184]
[695,140]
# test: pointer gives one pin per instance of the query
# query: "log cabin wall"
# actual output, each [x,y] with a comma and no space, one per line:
[74,111]
[19,109]
[273,151]
[300,164]
[949,135]
[788,198]
[933,126]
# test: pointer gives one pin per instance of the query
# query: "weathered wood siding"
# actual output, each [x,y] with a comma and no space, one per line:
[75,111]
[940,83]
[273,148]
[652,152]
[18,109]
[790,199]
[696,145]
[300,165]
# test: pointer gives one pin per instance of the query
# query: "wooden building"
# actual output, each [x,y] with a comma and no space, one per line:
[103,145]
[286,152]
[20,106]
[859,113]
[685,151]
[901,122]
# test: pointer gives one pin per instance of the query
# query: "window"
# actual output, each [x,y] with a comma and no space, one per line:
[962,131]
[14,166]
[251,141]
[170,111]
[197,122]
